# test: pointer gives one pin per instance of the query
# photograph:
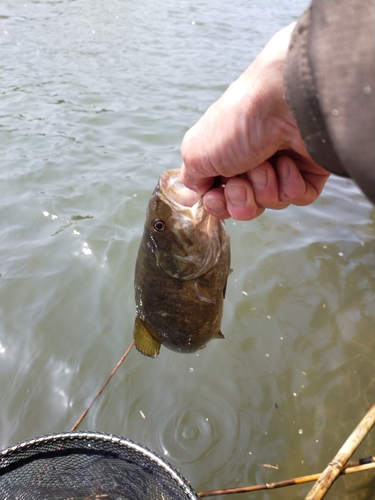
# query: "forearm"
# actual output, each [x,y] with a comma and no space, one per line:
[330,87]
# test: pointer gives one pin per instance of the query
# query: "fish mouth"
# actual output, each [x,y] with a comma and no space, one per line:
[183,200]
[176,193]
[196,233]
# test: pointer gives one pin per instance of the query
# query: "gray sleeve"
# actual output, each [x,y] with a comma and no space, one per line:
[330,86]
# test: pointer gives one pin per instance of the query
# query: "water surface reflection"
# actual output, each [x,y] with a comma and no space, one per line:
[96,98]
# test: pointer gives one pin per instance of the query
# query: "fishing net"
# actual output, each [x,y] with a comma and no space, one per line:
[88,466]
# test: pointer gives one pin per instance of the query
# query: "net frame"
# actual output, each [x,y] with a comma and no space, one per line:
[26,472]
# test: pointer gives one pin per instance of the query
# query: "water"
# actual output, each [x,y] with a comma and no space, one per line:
[95,99]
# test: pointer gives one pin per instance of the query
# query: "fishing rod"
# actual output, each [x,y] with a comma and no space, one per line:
[103,387]
[345,452]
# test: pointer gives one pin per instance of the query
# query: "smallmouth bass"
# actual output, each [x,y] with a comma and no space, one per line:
[181,271]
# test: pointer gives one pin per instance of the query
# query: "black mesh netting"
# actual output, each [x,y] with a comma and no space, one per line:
[88,466]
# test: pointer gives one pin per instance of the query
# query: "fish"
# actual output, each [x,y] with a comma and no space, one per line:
[181,271]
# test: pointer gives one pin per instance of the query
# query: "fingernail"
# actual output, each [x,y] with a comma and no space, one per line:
[215,207]
[236,195]
[259,178]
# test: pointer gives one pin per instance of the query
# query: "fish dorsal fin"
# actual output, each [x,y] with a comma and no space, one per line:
[144,342]
[203,292]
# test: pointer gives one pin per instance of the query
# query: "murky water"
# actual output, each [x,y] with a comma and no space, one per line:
[95,99]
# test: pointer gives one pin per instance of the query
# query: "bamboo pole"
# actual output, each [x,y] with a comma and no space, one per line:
[334,468]
[358,467]
[102,387]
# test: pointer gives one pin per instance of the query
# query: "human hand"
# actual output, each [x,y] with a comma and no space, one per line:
[250,141]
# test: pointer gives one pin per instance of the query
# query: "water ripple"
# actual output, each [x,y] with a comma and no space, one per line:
[192,433]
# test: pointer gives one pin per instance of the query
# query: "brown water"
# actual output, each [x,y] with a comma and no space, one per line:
[96,97]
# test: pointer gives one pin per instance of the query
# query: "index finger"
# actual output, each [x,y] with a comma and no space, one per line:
[195,181]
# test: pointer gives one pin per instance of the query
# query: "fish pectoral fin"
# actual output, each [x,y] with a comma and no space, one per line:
[226,281]
[219,335]
[225,288]
[203,292]
[144,342]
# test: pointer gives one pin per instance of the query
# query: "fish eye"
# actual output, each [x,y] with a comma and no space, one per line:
[158,225]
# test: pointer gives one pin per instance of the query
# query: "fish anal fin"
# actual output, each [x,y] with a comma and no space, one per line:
[145,343]
[203,292]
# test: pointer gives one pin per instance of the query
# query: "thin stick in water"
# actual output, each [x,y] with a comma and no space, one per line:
[102,387]
[370,464]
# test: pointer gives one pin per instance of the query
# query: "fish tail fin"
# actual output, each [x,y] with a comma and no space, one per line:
[144,342]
